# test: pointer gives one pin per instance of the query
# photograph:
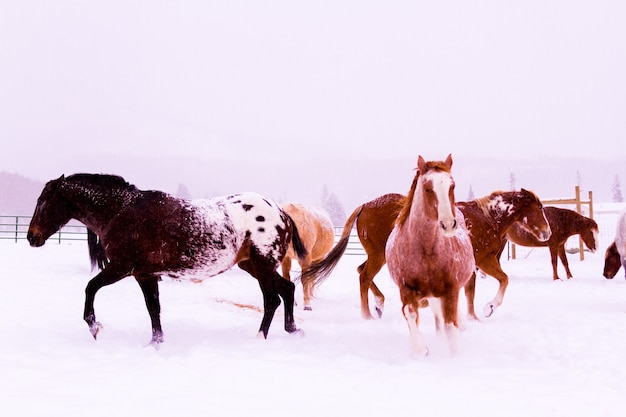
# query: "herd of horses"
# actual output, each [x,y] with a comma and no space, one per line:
[433,245]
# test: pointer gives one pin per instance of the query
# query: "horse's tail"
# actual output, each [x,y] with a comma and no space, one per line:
[318,271]
[97,255]
[296,241]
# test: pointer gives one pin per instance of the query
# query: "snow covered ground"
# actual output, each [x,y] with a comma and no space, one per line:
[552,348]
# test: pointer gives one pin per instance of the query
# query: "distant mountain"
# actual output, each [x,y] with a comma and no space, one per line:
[18,194]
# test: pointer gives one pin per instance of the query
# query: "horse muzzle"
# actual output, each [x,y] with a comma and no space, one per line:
[544,235]
[35,239]
[608,275]
[449,227]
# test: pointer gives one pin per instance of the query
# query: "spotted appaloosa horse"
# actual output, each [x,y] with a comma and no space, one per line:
[615,256]
[429,253]
[488,218]
[317,235]
[149,233]
[563,224]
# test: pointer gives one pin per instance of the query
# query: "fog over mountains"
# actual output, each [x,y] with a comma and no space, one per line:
[353,181]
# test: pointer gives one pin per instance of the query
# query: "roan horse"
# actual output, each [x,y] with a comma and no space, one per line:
[149,233]
[317,235]
[615,256]
[429,253]
[487,218]
[563,224]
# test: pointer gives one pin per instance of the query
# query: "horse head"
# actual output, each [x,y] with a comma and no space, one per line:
[589,235]
[612,261]
[52,212]
[534,219]
[437,187]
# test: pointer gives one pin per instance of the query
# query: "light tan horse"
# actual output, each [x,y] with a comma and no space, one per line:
[317,234]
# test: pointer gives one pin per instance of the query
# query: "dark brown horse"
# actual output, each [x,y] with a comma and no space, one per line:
[149,233]
[429,253]
[563,223]
[488,218]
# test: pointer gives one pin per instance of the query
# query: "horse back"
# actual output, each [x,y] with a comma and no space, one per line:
[314,227]
[376,221]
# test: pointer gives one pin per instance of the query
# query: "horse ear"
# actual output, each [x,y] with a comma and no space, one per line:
[420,164]
[449,161]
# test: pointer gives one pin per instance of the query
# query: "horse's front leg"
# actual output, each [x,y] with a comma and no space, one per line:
[492,267]
[270,282]
[110,275]
[417,345]
[149,285]
[563,257]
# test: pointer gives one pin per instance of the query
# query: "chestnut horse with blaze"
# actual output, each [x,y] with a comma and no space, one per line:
[429,253]
[318,236]
[487,218]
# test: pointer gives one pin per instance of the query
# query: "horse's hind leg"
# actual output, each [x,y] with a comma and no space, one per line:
[286,291]
[470,293]
[272,284]
[111,274]
[367,271]
[149,285]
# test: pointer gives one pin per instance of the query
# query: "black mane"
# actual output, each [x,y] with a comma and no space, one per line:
[103,180]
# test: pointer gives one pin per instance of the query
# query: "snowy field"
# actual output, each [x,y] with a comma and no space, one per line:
[552,348]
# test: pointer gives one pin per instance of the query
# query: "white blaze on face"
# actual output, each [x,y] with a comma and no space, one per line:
[442,182]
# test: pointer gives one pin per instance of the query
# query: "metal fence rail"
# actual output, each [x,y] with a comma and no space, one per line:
[16,227]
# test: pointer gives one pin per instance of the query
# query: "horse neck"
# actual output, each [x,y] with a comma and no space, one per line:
[95,206]
[503,211]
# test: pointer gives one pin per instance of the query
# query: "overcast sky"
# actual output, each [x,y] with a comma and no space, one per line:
[264,80]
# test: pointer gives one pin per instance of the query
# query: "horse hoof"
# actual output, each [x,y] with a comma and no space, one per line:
[308,308]
[379,312]
[298,332]
[420,353]
[489,309]
[94,329]
[157,339]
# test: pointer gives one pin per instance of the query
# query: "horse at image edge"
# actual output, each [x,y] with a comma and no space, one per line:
[615,256]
